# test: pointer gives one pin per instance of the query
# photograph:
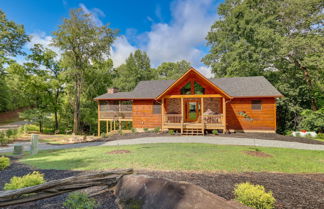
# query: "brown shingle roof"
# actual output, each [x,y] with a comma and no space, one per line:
[256,86]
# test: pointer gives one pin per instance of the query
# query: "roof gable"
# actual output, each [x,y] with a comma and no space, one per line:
[191,73]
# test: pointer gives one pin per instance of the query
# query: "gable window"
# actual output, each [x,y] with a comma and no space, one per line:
[186,89]
[199,89]
[256,105]
[156,107]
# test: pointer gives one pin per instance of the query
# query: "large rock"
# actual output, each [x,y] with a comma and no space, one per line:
[144,192]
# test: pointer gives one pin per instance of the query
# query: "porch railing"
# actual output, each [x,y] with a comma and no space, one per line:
[173,118]
[213,119]
[206,119]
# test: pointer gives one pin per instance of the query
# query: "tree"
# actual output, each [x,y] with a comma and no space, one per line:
[83,43]
[136,68]
[12,38]
[282,40]
[172,70]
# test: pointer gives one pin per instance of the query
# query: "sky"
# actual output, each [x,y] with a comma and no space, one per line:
[168,31]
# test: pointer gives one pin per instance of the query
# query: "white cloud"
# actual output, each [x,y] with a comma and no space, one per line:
[43,39]
[94,13]
[121,49]
[206,71]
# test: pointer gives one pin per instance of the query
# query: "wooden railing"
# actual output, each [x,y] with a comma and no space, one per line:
[173,118]
[213,119]
[206,119]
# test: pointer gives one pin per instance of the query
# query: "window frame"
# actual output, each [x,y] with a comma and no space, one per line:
[155,105]
[256,104]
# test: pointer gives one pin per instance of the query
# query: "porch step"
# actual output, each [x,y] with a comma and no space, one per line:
[192,131]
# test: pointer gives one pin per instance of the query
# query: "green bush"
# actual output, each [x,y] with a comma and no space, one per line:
[312,120]
[297,134]
[215,132]
[288,133]
[79,200]
[254,196]
[4,162]
[157,130]
[28,180]
[133,130]
[145,129]
[120,132]
[103,135]
[4,140]
[320,136]
[171,132]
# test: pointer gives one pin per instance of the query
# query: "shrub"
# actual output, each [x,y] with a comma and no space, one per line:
[103,135]
[145,129]
[120,132]
[171,132]
[215,132]
[4,162]
[254,196]
[157,130]
[320,136]
[133,130]
[312,120]
[4,140]
[28,180]
[288,133]
[297,134]
[79,200]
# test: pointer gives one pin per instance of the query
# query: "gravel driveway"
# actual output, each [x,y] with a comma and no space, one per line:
[178,139]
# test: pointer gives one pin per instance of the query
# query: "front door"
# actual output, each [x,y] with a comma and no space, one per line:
[192,110]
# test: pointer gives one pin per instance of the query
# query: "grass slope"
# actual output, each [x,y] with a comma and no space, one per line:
[188,157]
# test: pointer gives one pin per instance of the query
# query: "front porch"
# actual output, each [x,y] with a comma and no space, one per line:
[193,114]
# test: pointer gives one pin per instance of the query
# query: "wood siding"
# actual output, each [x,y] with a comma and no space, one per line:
[143,116]
[264,119]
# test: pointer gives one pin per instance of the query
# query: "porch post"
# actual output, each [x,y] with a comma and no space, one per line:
[106,126]
[202,115]
[98,118]
[181,115]
[162,117]
[224,115]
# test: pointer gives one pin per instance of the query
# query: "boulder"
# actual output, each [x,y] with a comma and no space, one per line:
[144,192]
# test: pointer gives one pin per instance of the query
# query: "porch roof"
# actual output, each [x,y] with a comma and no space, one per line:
[255,86]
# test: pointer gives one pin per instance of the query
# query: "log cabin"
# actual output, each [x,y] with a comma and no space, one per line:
[193,104]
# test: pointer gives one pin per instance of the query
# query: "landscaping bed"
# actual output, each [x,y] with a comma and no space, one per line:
[290,190]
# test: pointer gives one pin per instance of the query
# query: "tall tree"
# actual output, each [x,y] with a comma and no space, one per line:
[282,40]
[12,38]
[136,68]
[83,43]
[172,70]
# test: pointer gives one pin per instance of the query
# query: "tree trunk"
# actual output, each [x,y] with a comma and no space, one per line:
[76,114]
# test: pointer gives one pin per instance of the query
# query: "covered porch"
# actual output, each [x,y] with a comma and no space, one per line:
[193,114]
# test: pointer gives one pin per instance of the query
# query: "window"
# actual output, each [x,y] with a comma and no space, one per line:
[199,89]
[256,105]
[156,107]
[186,89]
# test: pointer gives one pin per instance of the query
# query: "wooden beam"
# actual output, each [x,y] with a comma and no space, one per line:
[193,96]
[98,118]
[106,126]
[182,115]
[163,112]
[202,115]
[224,115]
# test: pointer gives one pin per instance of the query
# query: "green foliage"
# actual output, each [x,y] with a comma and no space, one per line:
[133,130]
[157,129]
[171,70]
[4,140]
[215,132]
[103,134]
[120,132]
[312,120]
[136,68]
[254,196]
[31,179]
[146,129]
[171,132]
[79,200]
[4,162]
[272,38]
[320,136]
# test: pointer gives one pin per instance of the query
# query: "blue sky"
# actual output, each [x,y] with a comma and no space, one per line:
[166,30]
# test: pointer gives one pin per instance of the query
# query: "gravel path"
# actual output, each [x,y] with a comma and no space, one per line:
[177,139]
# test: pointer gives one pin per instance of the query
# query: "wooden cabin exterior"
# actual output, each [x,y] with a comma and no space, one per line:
[193,104]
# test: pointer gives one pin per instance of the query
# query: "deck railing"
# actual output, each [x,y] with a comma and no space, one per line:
[115,115]
[206,119]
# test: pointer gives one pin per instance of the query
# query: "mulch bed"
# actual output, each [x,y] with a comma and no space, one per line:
[257,154]
[118,152]
[290,190]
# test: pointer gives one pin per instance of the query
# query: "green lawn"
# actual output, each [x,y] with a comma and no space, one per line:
[189,157]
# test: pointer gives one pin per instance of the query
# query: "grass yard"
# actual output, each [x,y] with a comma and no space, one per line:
[185,157]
